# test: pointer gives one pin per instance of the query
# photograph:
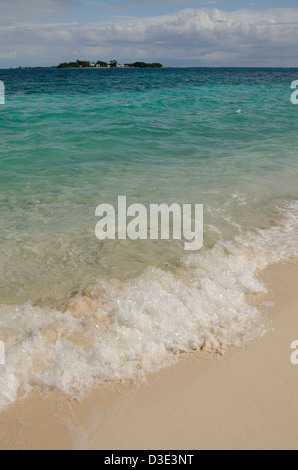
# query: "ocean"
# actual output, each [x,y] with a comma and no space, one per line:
[76,311]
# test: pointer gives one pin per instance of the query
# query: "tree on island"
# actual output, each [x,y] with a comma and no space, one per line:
[143,65]
[113,64]
[79,64]
[102,64]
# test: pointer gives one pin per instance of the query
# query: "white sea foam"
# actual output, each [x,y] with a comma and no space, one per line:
[121,330]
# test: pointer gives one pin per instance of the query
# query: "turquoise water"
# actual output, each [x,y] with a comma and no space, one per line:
[73,139]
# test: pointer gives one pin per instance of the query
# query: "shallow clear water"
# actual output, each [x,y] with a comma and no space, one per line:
[73,139]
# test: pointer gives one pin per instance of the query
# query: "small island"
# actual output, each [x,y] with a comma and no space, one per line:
[85,64]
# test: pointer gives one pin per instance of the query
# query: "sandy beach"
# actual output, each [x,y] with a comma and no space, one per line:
[244,400]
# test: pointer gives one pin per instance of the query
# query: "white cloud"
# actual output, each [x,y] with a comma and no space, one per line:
[191,37]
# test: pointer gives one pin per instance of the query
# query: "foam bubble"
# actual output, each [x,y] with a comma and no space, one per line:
[117,330]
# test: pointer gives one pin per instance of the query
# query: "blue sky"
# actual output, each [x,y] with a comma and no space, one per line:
[174,32]
[88,11]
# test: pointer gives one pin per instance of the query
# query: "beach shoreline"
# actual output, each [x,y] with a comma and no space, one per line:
[244,400]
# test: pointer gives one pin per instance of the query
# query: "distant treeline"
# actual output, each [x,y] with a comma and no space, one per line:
[143,65]
[83,64]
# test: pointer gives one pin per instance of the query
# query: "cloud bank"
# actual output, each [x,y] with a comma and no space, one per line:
[199,37]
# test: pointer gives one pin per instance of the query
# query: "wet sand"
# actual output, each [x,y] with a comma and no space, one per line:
[244,400]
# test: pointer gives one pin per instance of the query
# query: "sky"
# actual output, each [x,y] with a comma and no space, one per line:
[173,32]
